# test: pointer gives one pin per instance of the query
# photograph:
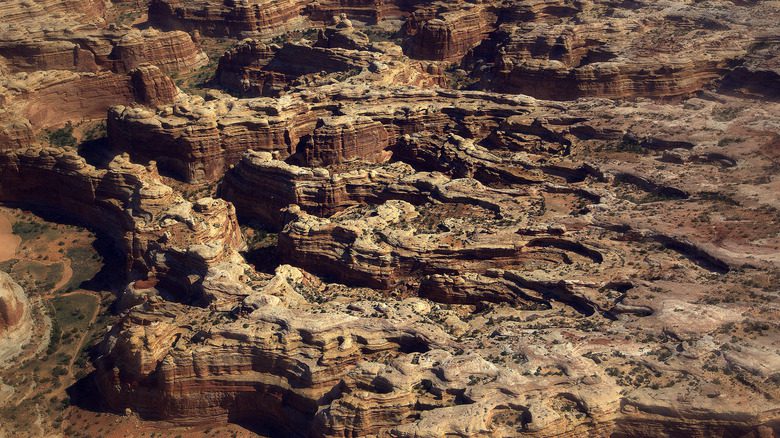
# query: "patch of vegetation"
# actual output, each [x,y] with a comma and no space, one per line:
[459,79]
[127,18]
[85,262]
[37,277]
[382,35]
[96,132]
[343,75]
[726,114]
[289,37]
[73,311]
[27,230]
[628,144]
[62,137]
[719,197]
[725,141]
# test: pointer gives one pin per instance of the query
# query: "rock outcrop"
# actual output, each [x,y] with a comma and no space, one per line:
[16,321]
[338,139]
[656,50]
[40,100]
[94,49]
[231,18]
[448,35]
[368,245]
[197,140]
[14,308]
[164,237]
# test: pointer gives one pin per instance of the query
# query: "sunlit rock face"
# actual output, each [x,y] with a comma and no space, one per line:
[16,322]
[410,219]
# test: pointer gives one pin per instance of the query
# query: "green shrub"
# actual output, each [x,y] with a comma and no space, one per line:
[62,137]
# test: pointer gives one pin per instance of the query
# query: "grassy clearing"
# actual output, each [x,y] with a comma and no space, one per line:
[37,277]
[85,262]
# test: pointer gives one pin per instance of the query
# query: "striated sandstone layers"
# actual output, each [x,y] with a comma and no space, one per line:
[164,237]
[317,190]
[369,11]
[341,53]
[448,35]
[73,68]
[17,11]
[227,18]
[29,98]
[197,140]
[486,264]
[91,49]
[655,50]
[267,18]
[338,139]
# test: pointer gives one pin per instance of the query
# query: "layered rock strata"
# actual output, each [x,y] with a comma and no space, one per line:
[341,53]
[92,49]
[318,191]
[197,140]
[450,35]
[235,19]
[672,51]
[28,99]
[164,237]
[581,268]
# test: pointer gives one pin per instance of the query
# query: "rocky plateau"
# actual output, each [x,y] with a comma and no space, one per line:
[410,219]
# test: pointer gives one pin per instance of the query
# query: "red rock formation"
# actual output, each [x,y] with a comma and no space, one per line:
[758,73]
[242,69]
[163,236]
[576,52]
[147,364]
[91,49]
[254,69]
[152,87]
[78,97]
[317,191]
[227,18]
[368,11]
[447,36]
[172,52]
[339,139]
[21,12]
[343,35]
[199,140]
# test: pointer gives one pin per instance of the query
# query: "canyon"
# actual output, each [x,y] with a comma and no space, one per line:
[389,218]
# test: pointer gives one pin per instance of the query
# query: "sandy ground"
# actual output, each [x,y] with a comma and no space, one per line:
[9,242]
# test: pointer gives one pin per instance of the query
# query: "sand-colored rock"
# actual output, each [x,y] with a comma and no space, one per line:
[15,319]
[234,18]
[378,246]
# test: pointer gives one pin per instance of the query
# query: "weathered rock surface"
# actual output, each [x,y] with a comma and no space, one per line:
[341,53]
[164,237]
[17,11]
[565,51]
[72,66]
[447,35]
[198,140]
[16,322]
[415,260]
[29,98]
[228,18]
[92,49]
[14,310]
